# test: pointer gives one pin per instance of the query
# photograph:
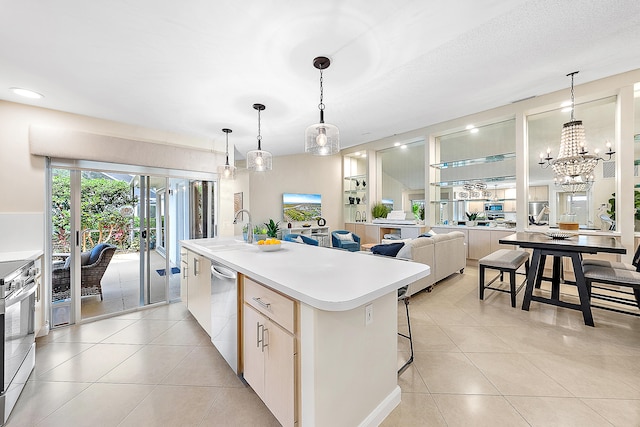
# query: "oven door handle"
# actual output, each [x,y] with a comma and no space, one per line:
[21,295]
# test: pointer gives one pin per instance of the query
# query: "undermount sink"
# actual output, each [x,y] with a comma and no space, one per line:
[225,244]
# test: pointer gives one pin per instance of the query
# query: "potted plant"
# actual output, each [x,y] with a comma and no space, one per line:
[472,217]
[379,210]
[272,228]
[259,233]
[636,199]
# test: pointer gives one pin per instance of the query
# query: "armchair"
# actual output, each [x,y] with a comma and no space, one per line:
[343,239]
[297,237]
[93,266]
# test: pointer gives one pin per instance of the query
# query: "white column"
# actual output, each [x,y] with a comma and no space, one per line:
[624,147]
[522,172]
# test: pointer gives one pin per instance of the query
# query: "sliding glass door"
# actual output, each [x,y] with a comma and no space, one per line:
[115,239]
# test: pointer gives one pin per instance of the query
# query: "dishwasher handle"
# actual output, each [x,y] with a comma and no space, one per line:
[223,272]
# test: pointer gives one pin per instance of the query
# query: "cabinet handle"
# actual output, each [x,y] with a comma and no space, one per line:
[262,304]
[196,263]
[185,267]
[259,335]
[264,343]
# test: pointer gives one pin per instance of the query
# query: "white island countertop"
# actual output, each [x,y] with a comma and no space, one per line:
[323,278]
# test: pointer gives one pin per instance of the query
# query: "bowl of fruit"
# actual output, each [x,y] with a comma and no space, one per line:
[269,244]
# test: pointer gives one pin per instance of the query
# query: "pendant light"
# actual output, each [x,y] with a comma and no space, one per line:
[573,168]
[322,139]
[259,160]
[227,171]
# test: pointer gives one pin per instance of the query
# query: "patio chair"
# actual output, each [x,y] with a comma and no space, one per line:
[93,266]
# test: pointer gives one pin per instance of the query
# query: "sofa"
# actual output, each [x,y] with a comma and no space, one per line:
[444,253]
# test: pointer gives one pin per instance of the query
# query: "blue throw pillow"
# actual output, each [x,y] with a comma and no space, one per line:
[95,252]
[391,249]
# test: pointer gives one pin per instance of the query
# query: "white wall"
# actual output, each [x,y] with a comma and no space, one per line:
[301,173]
[23,175]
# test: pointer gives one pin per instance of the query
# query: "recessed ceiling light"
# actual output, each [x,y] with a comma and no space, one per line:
[357,153]
[396,144]
[403,147]
[469,127]
[26,93]
[364,155]
[474,130]
[566,104]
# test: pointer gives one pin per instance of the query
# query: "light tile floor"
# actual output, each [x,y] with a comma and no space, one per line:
[477,363]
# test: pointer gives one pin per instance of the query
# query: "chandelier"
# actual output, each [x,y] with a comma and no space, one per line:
[573,168]
[322,139]
[259,160]
[475,190]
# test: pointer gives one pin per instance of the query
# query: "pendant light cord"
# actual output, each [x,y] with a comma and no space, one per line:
[259,136]
[321,105]
[572,94]
[226,149]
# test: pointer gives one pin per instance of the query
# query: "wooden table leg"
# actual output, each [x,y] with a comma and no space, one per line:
[540,273]
[531,279]
[583,293]
[555,281]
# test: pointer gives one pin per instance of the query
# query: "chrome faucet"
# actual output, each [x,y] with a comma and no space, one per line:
[249,228]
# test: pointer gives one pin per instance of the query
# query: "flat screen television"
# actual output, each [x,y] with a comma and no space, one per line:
[301,207]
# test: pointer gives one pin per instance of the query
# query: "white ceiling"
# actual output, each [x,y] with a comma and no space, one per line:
[196,66]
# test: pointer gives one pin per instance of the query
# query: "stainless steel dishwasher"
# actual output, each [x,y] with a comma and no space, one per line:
[224,313]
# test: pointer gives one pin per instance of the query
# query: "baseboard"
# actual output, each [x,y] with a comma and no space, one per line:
[383,410]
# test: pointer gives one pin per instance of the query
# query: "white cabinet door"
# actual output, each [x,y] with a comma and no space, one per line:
[253,325]
[496,235]
[279,366]
[479,243]
[199,289]
[184,277]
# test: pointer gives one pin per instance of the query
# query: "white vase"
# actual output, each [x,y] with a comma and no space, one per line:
[472,223]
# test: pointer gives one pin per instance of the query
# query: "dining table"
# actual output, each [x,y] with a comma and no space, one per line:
[560,245]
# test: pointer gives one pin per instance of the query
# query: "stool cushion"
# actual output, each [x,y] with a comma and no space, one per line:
[505,258]
[623,277]
[609,264]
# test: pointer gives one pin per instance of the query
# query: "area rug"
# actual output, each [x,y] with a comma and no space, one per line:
[174,270]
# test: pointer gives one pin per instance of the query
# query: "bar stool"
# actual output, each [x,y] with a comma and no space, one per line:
[506,261]
[402,296]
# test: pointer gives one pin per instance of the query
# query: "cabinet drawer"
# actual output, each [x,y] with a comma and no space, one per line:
[270,303]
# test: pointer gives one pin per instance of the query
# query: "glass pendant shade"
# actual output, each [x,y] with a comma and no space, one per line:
[322,139]
[259,160]
[227,171]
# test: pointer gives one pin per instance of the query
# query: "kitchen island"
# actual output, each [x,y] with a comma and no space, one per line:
[335,310]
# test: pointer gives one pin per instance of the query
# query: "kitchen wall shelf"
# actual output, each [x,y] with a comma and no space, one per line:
[477,161]
[485,180]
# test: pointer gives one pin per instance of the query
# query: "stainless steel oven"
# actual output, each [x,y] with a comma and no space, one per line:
[17,321]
